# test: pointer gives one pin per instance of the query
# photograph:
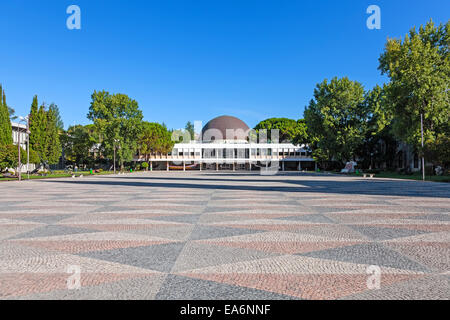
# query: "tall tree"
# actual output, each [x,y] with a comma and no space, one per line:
[52,142]
[380,146]
[5,123]
[290,130]
[419,69]
[337,119]
[78,142]
[119,120]
[154,138]
[55,110]
[190,128]
[35,125]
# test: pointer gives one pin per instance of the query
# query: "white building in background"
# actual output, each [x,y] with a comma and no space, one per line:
[227,144]
[19,130]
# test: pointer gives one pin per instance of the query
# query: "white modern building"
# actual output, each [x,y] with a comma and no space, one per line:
[20,133]
[20,129]
[227,143]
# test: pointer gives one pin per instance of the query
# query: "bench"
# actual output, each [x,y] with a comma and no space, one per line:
[370,175]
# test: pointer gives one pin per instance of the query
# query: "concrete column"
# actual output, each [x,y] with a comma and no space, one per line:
[184,165]
[299,166]
[217,166]
[282,166]
[201,164]
[234,166]
[151,165]
[168,166]
[315,166]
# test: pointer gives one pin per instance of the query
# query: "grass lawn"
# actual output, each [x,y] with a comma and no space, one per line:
[57,174]
[415,176]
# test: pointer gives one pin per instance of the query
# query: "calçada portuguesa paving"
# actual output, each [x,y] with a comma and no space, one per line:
[208,235]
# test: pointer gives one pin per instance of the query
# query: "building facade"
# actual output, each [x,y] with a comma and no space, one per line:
[20,133]
[227,143]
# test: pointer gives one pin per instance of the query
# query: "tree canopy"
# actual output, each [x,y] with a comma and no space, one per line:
[78,142]
[118,120]
[190,128]
[44,133]
[419,69]
[337,119]
[290,130]
[154,138]
[5,123]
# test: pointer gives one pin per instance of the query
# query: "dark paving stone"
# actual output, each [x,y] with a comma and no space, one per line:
[112,209]
[47,219]
[372,254]
[52,230]
[378,233]
[209,232]
[316,218]
[186,218]
[157,257]
[184,288]
[221,209]
[433,217]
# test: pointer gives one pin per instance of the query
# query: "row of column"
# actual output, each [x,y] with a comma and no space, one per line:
[234,166]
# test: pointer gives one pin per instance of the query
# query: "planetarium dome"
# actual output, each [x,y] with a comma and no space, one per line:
[225,128]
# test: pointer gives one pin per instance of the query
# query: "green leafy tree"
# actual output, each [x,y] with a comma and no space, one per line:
[5,123]
[154,138]
[419,69]
[379,146]
[337,119]
[59,122]
[9,156]
[78,142]
[289,130]
[44,134]
[190,128]
[118,120]
[52,143]
[38,135]
[36,129]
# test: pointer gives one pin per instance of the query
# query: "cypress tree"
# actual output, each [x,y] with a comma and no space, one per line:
[41,137]
[34,126]
[2,120]
[9,139]
[5,123]
[53,145]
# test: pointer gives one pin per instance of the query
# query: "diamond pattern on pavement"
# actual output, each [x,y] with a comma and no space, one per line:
[217,235]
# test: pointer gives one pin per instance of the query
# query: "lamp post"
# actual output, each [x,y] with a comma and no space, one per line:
[18,145]
[27,119]
[423,155]
[115,141]
[22,119]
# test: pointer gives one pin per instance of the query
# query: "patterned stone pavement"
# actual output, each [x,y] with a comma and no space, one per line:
[224,236]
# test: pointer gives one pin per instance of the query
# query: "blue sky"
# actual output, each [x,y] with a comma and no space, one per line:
[194,60]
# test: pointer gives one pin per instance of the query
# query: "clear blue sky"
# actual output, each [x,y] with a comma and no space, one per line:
[194,60]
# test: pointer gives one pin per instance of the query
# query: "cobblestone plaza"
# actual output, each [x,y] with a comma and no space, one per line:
[208,235]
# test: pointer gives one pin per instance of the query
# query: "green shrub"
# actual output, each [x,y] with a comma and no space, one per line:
[144,165]
[9,156]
